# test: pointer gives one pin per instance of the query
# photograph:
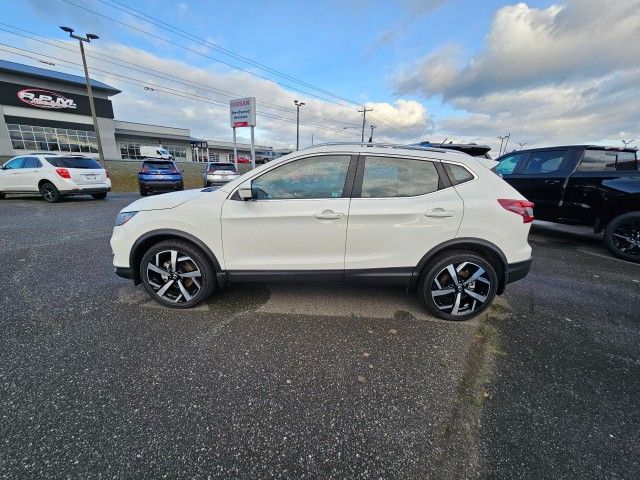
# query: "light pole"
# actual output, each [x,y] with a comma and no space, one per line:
[87,38]
[522,144]
[627,142]
[298,105]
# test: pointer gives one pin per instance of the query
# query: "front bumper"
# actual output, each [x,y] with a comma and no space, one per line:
[517,271]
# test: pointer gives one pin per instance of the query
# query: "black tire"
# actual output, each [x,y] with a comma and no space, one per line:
[466,265]
[143,193]
[49,192]
[2,196]
[622,236]
[173,289]
[99,196]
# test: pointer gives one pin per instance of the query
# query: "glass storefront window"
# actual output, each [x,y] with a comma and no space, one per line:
[28,137]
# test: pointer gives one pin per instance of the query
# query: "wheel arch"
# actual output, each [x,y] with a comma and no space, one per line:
[486,249]
[150,238]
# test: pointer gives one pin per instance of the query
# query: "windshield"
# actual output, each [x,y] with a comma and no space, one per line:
[158,165]
[74,162]
[163,151]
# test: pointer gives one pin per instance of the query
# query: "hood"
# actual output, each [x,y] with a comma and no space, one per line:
[163,201]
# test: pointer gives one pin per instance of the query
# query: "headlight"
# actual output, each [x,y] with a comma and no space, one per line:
[124,217]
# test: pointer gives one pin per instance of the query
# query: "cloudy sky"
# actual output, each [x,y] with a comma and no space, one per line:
[546,72]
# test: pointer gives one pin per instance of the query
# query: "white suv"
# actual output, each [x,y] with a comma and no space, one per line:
[54,176]
[435,219]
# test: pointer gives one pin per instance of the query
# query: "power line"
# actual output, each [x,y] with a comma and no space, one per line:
[158,73]
[394,124]
[168,90]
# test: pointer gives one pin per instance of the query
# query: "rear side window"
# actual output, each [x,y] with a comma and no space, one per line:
[607,160]
[546,161]
[457,174]
[386,177]
[508,164]
[31,162]
[74,162]
[159,165]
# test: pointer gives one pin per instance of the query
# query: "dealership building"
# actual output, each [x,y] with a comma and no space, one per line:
[44,110]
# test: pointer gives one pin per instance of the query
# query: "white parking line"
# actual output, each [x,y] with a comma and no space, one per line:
[608,257]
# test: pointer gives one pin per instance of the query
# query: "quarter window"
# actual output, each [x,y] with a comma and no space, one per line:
[547,161]
[398,177]
[607,160]
[457,173]
[313,177]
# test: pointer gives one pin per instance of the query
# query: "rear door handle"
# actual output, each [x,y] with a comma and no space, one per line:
[328,215]
[439,213]
[552,182]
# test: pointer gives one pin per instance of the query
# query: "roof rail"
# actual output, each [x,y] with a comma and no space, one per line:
[380,145]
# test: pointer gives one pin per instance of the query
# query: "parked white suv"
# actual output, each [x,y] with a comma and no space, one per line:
[54,176]
[435,219]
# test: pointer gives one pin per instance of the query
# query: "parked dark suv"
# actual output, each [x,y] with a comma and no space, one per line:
[582,185]
[159,176]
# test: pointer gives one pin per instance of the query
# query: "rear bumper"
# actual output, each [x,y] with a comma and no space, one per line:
[158,185]
[517,271]
[86,190]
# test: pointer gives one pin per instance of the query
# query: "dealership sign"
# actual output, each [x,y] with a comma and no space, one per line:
[243,112]
[36,97]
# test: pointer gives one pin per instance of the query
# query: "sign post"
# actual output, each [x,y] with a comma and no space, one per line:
[243,114]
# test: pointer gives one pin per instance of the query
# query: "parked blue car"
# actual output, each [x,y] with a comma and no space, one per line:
[159,176]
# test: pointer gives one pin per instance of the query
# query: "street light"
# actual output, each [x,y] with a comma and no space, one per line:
[522,144]
[298,105]
[371,137]
[87,38]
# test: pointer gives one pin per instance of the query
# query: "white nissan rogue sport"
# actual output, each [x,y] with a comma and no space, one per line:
[430,218]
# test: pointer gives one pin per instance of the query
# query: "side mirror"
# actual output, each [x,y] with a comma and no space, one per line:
[244,191]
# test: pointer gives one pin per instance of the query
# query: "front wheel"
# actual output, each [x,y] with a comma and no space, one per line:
[622,236]
[99,196]
[2,195]
[177,274]
[458,285]
[50,193]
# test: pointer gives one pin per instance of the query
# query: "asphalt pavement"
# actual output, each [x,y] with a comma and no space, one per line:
[307,381]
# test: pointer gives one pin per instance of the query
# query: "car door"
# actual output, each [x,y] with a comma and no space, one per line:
[30,174]
[540,177]
[9,175]
[401,208]
[296,220]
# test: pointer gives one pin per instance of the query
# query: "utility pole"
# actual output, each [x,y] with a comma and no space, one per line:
[364,119]
[371,137]
[501,143]
[87,38]
[298,105]
[507,142]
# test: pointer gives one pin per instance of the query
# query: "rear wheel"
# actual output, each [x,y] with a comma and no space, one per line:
[143,193]
[458,285]
[622,236]
[99,196]
[177,274]
[50,193]
[2,195]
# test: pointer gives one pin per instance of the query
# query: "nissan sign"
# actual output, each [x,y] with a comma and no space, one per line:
[36,97]
[243,112]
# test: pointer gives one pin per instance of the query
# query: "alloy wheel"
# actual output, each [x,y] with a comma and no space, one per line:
[460,289]
[48,192]
[626,237]
[174,276]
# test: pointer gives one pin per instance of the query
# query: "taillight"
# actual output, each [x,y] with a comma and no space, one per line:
[107,173]
[524,208]
[144,169]
[63,172]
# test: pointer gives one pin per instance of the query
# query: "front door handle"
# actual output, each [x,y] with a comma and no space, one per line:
[328,215]
[439,213]
[552,182]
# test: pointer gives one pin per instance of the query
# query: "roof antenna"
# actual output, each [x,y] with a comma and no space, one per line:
[444,141]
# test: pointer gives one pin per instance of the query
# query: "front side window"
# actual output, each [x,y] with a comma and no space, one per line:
[14,164]
[548,161]
[607,160]
[313,177]
[386,177]
[508,164]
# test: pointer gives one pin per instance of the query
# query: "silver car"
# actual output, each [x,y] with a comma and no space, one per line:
[219,173]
